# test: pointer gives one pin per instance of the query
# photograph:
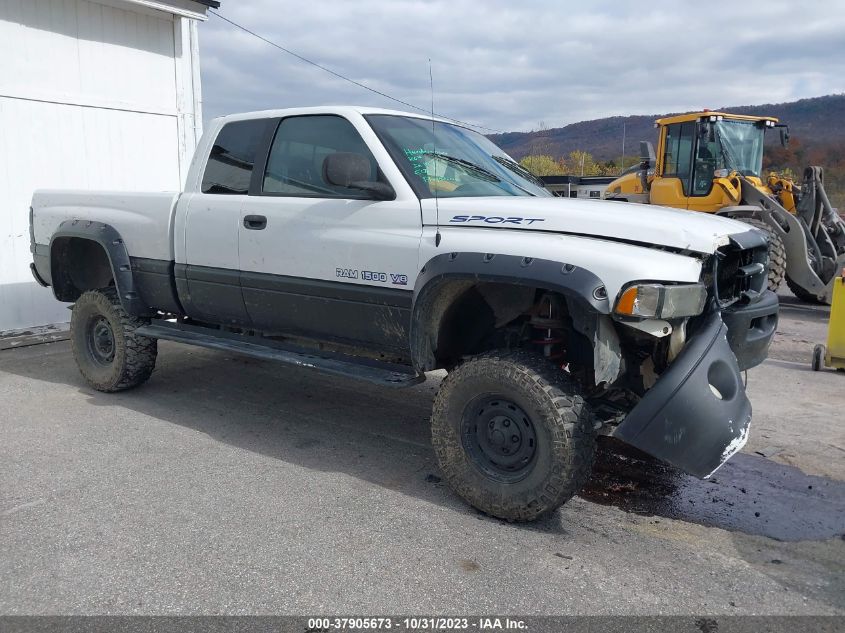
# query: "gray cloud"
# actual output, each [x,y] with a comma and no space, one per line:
[513,65]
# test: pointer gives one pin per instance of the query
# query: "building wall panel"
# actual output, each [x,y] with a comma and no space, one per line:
[77,50]
[95,97]
[65,146]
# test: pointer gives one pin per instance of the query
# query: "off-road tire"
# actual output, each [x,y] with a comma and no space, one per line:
[562,422]
[133,356]
[777,253]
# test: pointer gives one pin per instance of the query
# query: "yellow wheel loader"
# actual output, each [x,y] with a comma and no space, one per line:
[712,162]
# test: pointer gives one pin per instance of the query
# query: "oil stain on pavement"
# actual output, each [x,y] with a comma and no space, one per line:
[749,494]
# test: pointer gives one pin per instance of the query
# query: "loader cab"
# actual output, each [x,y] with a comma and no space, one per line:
[695,150]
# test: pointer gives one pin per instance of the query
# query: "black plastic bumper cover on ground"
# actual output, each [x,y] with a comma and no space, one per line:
[697,414]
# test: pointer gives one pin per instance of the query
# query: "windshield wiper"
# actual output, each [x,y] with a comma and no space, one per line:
[732,163]
[727,157]
[519,170]
[469,166]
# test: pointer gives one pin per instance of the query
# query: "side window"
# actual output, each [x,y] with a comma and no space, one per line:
[670,158]
[295,163]
[232,157]
[677,161]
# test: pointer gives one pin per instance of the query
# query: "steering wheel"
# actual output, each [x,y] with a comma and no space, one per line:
[465,188]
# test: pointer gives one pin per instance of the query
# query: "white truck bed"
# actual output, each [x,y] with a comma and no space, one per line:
[145,220]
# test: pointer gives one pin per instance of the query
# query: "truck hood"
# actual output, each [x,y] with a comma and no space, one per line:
[647,224]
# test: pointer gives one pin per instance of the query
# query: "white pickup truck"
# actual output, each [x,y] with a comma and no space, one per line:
[383,245]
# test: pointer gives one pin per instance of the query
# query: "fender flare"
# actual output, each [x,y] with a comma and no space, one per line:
[112,243]
[575,283]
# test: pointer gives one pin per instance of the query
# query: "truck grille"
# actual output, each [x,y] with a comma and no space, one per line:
[739,272]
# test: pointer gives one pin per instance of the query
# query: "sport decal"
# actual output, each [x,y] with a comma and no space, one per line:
[494,219]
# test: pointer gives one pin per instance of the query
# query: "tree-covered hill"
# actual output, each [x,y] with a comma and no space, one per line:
[816,120]
[816,129]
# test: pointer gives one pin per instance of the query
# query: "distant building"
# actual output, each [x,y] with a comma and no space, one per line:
[590,187]
[94,94]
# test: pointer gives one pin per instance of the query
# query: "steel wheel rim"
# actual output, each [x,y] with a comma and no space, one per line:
[499,438]
[101,343]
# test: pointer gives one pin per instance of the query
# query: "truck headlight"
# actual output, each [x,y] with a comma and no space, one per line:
[657,301]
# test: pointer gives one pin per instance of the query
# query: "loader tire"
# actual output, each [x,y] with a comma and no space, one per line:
[777,253]
[109,354]
[512,435]
[803,295]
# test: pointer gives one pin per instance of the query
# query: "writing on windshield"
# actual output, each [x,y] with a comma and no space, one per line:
[423,162]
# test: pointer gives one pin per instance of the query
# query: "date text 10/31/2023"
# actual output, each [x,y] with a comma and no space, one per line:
[415,624]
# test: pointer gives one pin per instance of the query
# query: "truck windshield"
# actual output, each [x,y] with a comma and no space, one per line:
[449,161]
[740,146]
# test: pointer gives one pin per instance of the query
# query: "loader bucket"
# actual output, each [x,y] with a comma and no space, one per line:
[814,237]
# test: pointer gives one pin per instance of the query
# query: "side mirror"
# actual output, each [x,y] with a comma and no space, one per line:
[377,190]
[352,171]
[784,136]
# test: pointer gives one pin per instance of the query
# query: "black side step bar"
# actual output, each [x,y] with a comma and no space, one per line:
[382,373]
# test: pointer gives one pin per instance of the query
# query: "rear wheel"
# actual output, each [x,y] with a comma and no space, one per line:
[777,253]
[512,435]
[108,352]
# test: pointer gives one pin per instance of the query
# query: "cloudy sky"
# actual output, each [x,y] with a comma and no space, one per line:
[516,65]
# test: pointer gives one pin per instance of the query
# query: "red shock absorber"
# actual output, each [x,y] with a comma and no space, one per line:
[548,328]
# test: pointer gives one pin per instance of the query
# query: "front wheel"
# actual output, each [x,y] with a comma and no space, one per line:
[108,352]
[512,436]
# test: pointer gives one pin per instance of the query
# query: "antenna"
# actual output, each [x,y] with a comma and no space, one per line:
[437,236]
[623,149]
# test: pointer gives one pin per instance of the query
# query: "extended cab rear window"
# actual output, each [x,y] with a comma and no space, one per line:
[233,156]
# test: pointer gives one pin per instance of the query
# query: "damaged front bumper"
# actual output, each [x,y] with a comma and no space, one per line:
[697,414]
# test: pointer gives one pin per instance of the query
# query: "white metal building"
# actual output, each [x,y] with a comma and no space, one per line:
[99,94]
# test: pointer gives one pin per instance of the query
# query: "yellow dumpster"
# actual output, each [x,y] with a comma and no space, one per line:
[834,354]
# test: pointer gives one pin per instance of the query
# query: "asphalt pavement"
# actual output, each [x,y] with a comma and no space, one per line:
[239,486]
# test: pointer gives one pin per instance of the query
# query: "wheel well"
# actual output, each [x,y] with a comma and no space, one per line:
[78,264]
[463,317]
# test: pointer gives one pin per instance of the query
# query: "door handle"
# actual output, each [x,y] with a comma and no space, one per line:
[255,222]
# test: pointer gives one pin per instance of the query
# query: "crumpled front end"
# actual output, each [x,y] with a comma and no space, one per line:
[697,415]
